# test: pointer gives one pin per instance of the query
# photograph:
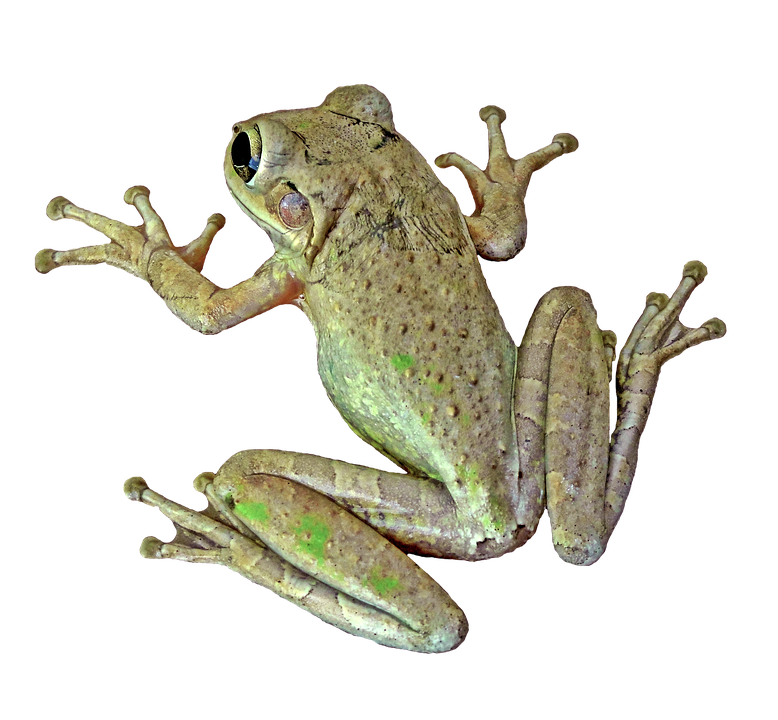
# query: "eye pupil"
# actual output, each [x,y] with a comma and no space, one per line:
[244,162]
[294,210]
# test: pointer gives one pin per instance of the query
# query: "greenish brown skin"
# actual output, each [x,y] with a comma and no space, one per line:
[414,354]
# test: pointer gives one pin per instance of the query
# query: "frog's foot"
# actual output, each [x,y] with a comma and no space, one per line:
[200,536]
[657,337]
[408,610]
[499,224]
[130,248]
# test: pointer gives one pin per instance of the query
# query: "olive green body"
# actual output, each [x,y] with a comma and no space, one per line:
[414,354]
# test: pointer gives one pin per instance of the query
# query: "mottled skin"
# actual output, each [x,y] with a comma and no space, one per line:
[414,354]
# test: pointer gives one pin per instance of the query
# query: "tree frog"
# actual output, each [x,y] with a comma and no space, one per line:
[414,355]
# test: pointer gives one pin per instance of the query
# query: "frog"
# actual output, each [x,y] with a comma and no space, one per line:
[487,435]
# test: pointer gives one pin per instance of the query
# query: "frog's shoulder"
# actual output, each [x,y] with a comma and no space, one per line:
[395,201]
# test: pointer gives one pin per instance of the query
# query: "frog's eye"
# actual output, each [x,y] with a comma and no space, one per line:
[245,158]
[294,210]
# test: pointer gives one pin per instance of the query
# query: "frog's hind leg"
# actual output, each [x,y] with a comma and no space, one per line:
[562,421]
[305,548]
[657,337]
[562,399]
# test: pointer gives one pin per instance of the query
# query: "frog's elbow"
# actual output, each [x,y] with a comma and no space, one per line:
[210,329]
[495,243]
[203,324]
[209,321]
[217,318]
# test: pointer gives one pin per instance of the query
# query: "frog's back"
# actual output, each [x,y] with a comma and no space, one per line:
[413,352]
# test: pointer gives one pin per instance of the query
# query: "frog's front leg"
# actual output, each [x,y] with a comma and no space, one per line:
[498,226]
[306,548]
[173,272]
[562,408]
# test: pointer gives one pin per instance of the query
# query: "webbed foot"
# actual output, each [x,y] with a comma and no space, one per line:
[657,337]
[130,247]
[499,224]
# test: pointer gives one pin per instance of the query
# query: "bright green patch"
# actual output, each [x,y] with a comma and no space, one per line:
[402,362]
[465,420]
[467,472]
[426,418]
[437,389]
[382,584]
[253,511]
[312,534]
[491,521]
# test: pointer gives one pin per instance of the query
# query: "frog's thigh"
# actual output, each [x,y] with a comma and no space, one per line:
[415,513]
[576,428]
[382,594]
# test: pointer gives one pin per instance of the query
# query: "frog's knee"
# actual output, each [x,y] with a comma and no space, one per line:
[566,304]
[585,552]
[569,294]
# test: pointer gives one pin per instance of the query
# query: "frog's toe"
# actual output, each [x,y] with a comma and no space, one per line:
[151,548]
[657,300]
[134,192]
[486,112]
[45,262]
[134,488]
[568,142]
[55,210]
[717,328]
[695,270]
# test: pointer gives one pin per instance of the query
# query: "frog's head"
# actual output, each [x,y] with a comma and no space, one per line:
[293,171]
[340,174]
